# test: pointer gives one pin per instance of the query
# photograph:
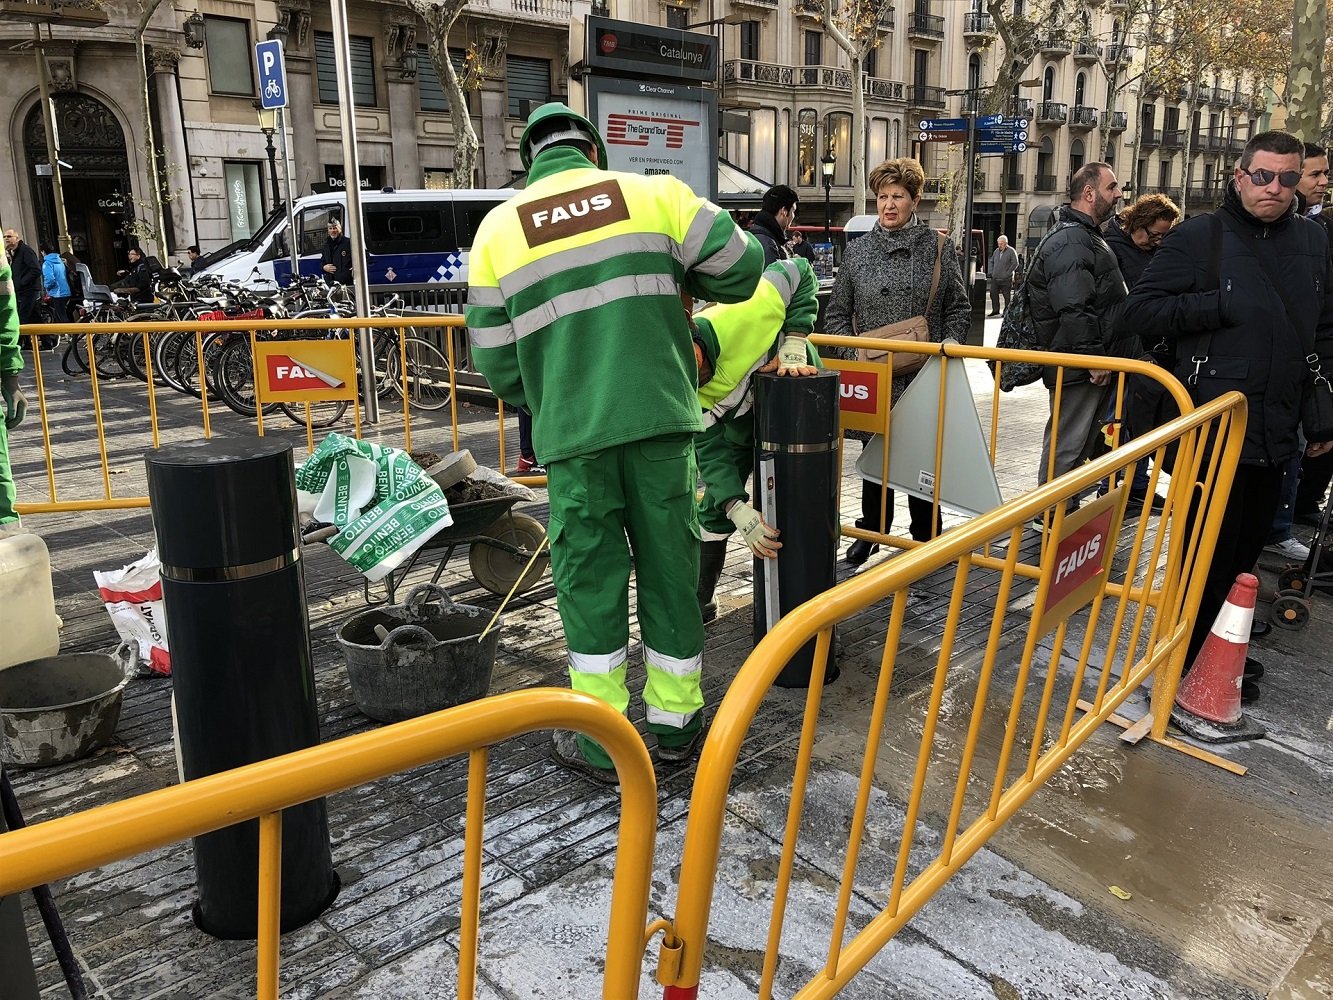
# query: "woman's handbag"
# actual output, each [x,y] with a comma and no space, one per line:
[913,330]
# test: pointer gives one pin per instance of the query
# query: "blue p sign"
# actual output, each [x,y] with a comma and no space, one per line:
[272,74]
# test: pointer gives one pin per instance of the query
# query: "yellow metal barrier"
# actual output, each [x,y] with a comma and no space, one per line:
[1140,601]
[61,847]
[881,421]
[79,456]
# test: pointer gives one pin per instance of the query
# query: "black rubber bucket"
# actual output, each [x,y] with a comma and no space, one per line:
[427,659]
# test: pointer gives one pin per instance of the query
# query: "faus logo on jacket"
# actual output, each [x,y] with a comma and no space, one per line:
[572,212]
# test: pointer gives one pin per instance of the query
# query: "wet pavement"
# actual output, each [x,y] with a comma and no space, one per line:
[1228,878]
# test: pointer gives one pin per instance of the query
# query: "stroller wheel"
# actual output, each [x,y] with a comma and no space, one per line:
[1293,578]
[1290,610]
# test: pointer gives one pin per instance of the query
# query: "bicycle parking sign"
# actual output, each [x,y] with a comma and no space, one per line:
[272,74]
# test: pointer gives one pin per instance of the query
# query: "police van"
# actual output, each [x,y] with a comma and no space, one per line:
[411,237]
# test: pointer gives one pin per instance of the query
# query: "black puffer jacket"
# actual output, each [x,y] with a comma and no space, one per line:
[1241,325]
[766,230]
[1132,259]
[1076,292]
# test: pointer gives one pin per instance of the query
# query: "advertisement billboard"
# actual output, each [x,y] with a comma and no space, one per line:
[654,129]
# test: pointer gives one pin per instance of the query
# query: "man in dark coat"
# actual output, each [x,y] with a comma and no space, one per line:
[1075,292]
[1000,271]
[137,279]
[336,260]
[1251,343]
[27,271]
[1315,472]
[770,224]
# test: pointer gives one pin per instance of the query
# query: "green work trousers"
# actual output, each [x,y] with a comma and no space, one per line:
[632,498]
[725,453]
[7,492]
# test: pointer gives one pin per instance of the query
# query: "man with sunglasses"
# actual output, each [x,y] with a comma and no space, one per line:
[1252,325]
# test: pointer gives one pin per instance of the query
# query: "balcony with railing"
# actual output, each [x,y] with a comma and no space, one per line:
[920,95]
[1173,139]
[1087,51]
[746,71]
[886,19]
[811,10]
[1013,183]
[978,27]
[1054,44]
[1118,6]
[765,5]
[1021,107]
[886,90]
[1121,55]
[547,11]
[1082,117]
[1150,138]
[1115,121]
[1044,183]
[1221,97]
[925,26]
[1052,113]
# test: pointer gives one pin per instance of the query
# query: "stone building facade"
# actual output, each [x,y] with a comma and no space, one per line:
[784,82]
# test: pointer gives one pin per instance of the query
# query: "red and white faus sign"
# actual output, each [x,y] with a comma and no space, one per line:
[284,374]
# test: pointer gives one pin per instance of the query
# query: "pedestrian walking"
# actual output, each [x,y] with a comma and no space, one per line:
[55,283]
[771,222]
[574,312]
[27,277]
[1261,329]
[1075,293]
[1000,271]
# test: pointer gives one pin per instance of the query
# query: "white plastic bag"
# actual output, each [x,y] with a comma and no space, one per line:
[133,596]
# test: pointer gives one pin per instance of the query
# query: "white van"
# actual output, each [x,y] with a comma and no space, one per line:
[412,237]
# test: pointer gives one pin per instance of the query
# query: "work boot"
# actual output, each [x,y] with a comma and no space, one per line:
[712,558]
[572,750]
[674,746]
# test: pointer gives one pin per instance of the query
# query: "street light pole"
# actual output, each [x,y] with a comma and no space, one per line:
[828,161]
[268,123]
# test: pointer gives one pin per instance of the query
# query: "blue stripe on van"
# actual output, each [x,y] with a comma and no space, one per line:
[408,268]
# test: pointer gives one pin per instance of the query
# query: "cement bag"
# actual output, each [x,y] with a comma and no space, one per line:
[133,596]
[383,503]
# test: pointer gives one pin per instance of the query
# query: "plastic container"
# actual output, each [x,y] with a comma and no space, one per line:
[424,656]
[61,708]
[28,618]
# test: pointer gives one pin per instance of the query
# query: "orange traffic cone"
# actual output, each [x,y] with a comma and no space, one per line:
[1208,699]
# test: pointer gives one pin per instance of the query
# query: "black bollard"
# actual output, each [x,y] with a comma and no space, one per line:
[242,676]
[796,490]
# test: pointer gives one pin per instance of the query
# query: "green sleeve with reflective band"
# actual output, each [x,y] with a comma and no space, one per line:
[11,358]
[722,262]
[803,309]
[490,329]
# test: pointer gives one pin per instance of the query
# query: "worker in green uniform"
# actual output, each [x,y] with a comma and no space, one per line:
[574,311]
[765,333]
[16,405]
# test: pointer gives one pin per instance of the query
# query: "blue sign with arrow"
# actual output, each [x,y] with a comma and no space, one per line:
[943,125]
[272,74]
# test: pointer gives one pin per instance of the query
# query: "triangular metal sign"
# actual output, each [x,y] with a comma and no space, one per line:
[966,483]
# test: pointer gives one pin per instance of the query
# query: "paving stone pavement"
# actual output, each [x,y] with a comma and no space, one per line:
[1010,925]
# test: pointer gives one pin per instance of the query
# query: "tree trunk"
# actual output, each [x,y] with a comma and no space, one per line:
[856,49]
[1305,88]
[440,20]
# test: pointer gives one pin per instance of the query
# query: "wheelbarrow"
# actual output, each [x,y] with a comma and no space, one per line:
[501,541]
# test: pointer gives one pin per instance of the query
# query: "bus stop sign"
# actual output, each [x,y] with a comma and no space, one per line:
[272,74]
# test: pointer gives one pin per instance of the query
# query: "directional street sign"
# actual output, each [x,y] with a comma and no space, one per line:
[991,148]
[272,74]
[943,125]
[942,136]
[987,120]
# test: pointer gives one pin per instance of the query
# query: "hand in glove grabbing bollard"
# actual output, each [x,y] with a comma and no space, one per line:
[762,540]
[792,358]
[16,404]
